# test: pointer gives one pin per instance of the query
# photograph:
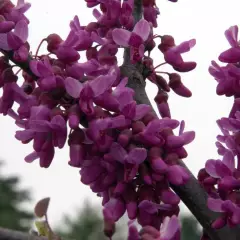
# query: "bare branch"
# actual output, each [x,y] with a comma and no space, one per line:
[7,234]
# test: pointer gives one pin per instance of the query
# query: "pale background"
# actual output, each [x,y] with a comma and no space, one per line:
[204,20]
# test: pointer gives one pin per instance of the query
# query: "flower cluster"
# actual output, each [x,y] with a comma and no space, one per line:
[220,178]
[125,153]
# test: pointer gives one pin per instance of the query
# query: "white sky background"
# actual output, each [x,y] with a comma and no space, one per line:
[201,19]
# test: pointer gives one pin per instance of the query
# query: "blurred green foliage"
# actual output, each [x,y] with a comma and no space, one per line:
[190,228]
[12,214]
[87,225]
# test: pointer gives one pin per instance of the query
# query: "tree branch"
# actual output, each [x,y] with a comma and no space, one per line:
[7,234]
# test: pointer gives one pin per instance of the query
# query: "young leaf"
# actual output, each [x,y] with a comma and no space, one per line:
[41,207]
[42,228]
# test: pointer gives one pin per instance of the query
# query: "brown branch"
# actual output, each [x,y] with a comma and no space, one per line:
[7,234]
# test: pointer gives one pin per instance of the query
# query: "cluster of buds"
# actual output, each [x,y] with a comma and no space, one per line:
[125,153]
[220,178]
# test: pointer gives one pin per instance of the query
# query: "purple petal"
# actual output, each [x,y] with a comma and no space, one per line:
[73,87]
[231,55]
[4,42]
[116,208]
[103,83]
[34,67]
[75,71]
[76,155]
[121,37]
[21,30]
[75,24]
[181,128]
[232,35]
[222,170]
[179,141]
[119,121]
[170,197]
[90,174]
[158,165]
[211,168]
[141,111]
[6,26]
[14,41]
[229,161]
[148,206]
[44,68]
[184,46]
[169,228]
[142,29]
[118,152]
[40,125]
[24,135]
[137,155]
[177,175]
[47,83]
[71,39]
[58,124]
[31,157]
[215,204]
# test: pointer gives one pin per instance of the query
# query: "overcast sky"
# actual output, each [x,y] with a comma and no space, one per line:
[201,19]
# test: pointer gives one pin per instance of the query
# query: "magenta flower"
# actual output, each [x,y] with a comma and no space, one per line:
[135,156]
[88,91]
[14,40]
[6,26]
[173,56]
[111,14]
[84,38]
[98,129]
[46,134]
[131,160]
[92,3]
[170,230]
[43,69]
[150,14]
[11,93]
[66,50]
[232,55]
[184,138]
[226,77]
[16,14]
[152,133]
[132,110]
[135,39]
[231,212]
[126,18]
[115,208]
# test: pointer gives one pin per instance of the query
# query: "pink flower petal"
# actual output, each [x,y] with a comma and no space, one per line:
[142,28]
[118,152]
[228,160]
[170,228]
[137,155]
[232,35]
[215,204]
[73,87]
[121,37]
[148,206]
[31,157]
[21,30]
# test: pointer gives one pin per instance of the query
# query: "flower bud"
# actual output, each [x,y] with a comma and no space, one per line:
[176,85]
[53,41]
